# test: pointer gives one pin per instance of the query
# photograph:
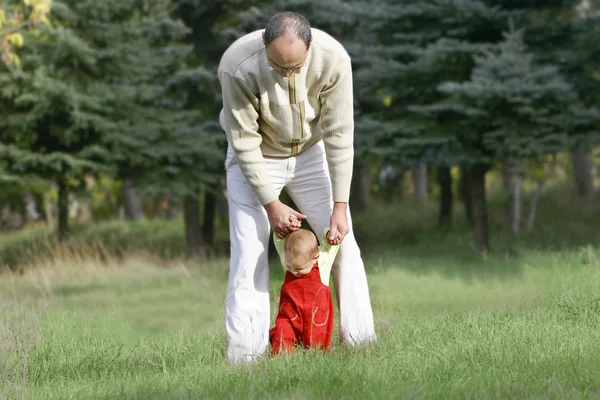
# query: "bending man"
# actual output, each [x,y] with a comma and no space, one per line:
[288,115]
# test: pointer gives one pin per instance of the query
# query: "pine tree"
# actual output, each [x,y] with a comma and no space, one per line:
[406,49]
[564,33]
[510,109]
[420,44]
[198,92]
[86,92]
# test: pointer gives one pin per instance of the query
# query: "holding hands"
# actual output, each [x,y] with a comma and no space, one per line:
[283,219]
[338,224]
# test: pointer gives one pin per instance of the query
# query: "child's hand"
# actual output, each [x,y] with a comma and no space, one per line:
[295,223]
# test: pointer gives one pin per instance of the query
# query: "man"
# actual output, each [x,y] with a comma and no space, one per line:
[288,115]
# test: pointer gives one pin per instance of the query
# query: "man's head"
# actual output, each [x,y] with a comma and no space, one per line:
[301,251]
[287,39]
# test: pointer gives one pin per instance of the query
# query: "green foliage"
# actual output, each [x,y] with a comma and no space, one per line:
[107,90]
[510,108]
[105,197]
[76,84]
[407,49]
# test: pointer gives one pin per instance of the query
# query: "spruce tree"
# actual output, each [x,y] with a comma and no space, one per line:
[420,44]
[510,109]
[86,92]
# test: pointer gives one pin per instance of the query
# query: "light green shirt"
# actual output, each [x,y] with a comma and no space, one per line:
[327,254]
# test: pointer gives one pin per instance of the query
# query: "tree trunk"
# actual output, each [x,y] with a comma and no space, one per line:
[582,170]
[536,195]
[420,183]
[514,185]
[210,212]
[63,209]
[50,211]
[223,206]
[515,209]
[172,209]
[465,190]
[446,196]
[30,206]
[40,205]
[132,202]
[398,187]
[515,206]
[479,207]
[193,230]
[360,191]
[5,214]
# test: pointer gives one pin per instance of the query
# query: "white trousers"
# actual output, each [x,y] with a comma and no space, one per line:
[247,310]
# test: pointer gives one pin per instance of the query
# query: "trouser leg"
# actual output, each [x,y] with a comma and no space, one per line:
[310,188]
[247,308]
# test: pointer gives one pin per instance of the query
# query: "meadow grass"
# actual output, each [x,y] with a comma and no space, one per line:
[451,324]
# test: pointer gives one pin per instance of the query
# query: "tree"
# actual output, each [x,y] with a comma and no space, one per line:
[582,69]
[564,33]
[407,49]
[90,79]
[510,109]
[200,93]
[16,16]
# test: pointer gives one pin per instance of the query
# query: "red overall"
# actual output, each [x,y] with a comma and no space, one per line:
[305,314]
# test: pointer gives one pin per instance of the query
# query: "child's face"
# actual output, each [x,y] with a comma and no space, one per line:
[300,266]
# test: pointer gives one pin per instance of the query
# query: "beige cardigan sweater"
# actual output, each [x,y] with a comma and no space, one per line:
[267,115]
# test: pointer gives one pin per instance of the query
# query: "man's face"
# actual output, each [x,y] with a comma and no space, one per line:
[286,55]
[300,266]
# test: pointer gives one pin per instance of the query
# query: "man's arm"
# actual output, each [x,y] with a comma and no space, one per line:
[240,109]
[337,107]
[337,119]
[240,112]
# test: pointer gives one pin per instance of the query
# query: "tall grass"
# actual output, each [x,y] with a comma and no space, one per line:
[142,331]
[163,239]
[451,323]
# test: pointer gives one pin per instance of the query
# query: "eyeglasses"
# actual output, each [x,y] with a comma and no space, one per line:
[273,66]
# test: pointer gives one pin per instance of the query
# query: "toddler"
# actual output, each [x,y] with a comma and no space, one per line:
[306,314]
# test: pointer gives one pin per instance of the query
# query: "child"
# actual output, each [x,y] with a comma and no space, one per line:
[306,313]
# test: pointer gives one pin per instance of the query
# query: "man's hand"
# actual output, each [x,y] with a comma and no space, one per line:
[295,223]
[281,220]
[338,224]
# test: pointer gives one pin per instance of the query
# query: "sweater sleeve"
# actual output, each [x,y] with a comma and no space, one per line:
[337,107]
[240,112]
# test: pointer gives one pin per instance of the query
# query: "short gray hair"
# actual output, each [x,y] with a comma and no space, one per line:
[287,23]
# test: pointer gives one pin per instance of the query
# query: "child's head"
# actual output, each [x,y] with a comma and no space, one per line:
[301,251]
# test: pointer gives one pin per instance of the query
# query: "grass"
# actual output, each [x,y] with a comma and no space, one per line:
[164,239]
[452,324]
[145,332]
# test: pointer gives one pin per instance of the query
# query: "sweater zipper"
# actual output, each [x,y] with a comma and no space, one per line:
[293,100]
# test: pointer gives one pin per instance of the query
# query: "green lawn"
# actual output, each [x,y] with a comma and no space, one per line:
[145,332]
[451,324]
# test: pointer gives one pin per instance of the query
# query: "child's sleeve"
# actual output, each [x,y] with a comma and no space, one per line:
[327,255]
[279,245]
